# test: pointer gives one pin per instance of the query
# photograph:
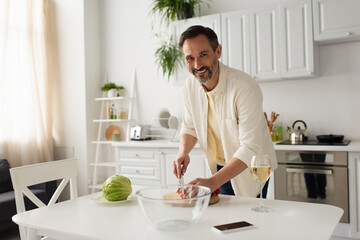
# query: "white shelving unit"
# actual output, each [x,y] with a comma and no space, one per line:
[102,159]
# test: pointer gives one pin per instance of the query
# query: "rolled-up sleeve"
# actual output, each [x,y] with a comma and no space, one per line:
[250,124]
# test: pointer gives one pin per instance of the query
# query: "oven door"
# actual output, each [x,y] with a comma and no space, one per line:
[316,184]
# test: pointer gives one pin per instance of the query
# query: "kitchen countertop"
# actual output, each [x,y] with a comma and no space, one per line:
[149,144]
[354,146]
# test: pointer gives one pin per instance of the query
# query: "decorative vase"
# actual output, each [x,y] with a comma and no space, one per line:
[121,93]
[186,12]
[112,92]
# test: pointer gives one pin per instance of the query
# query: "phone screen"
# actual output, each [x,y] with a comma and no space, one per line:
[231,226]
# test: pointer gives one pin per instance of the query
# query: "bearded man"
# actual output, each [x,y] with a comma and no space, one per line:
[223,113]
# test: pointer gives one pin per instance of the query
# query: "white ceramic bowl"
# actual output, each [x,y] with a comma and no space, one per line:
[173,214]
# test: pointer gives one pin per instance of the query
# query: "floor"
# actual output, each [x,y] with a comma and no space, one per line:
[13,234]
[10,234]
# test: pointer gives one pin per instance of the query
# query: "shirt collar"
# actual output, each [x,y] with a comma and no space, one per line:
[220,87]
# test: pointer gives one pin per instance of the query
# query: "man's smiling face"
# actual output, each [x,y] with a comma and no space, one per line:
[201,60]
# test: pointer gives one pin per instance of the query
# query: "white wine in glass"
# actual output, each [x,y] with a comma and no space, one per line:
[260,170]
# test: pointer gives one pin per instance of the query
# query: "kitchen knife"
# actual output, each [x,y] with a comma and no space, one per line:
[181,182]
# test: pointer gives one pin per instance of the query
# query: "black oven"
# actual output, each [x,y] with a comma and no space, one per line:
[313,176]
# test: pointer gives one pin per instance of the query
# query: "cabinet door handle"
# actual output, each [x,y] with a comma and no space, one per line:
[137,155]
[162,153]
[349,33]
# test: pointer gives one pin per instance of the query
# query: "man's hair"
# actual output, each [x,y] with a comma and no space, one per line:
[195,31]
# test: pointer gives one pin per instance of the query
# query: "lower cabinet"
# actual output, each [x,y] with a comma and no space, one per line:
[196,168]
[140,165]
[354,193]
[153,166]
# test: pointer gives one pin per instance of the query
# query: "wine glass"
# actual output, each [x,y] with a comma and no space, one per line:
[260,170]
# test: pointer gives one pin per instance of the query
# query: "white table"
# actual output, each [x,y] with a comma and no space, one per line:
[83,219]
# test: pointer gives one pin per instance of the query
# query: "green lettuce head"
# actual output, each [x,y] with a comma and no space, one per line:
[116,188]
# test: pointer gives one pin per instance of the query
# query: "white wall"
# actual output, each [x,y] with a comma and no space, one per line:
[128,42]
[70,118]
[328,104]
[114,37]
[92,76]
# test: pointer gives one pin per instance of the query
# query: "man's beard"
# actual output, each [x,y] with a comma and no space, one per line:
[211,72]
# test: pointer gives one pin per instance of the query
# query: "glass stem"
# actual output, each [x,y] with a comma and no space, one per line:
[261,202]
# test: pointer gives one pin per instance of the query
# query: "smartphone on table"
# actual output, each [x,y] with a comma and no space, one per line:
[235,226]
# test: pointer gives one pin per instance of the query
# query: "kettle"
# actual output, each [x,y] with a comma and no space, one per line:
[297,135]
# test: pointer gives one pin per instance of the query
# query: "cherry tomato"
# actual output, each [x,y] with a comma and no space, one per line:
[216,192]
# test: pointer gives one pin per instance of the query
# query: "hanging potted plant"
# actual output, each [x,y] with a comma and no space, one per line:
[167,55]
[112,89]
[171,10]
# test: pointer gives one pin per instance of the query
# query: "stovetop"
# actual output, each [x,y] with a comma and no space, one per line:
[315,142]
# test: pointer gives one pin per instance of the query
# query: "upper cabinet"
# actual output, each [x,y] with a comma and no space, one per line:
[299,54]
[211,21]
[336,20]
[235,40]
[269,43]
[265,43]
[280,39]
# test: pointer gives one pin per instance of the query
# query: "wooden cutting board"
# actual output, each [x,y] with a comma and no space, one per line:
[174,195]
[110,131]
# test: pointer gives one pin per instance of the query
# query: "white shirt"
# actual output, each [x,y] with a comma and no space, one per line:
[242,124]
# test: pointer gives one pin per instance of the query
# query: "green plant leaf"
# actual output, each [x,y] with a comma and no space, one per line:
[167,55]
[170,10]
[111,85]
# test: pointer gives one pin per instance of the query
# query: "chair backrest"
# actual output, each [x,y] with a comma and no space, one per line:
[25,176]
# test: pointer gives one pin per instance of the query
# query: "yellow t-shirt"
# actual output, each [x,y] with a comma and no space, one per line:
[215,149]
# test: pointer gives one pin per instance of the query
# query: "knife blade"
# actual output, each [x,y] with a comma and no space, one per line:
[181,182]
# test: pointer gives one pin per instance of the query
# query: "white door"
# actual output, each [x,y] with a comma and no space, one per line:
[265,43]
[211,21]
[297,46]
[235,39]
[336,20]
[196,168]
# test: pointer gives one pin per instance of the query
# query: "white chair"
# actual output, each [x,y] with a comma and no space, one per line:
[25,176]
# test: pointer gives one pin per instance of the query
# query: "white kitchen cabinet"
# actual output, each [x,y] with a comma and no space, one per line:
[151,165]
[336,20]
[299,54]
[178,27]
[354,193]
[280,38]
[269,43]
[141,165]
[197,167]
[265,43]
[235,40]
